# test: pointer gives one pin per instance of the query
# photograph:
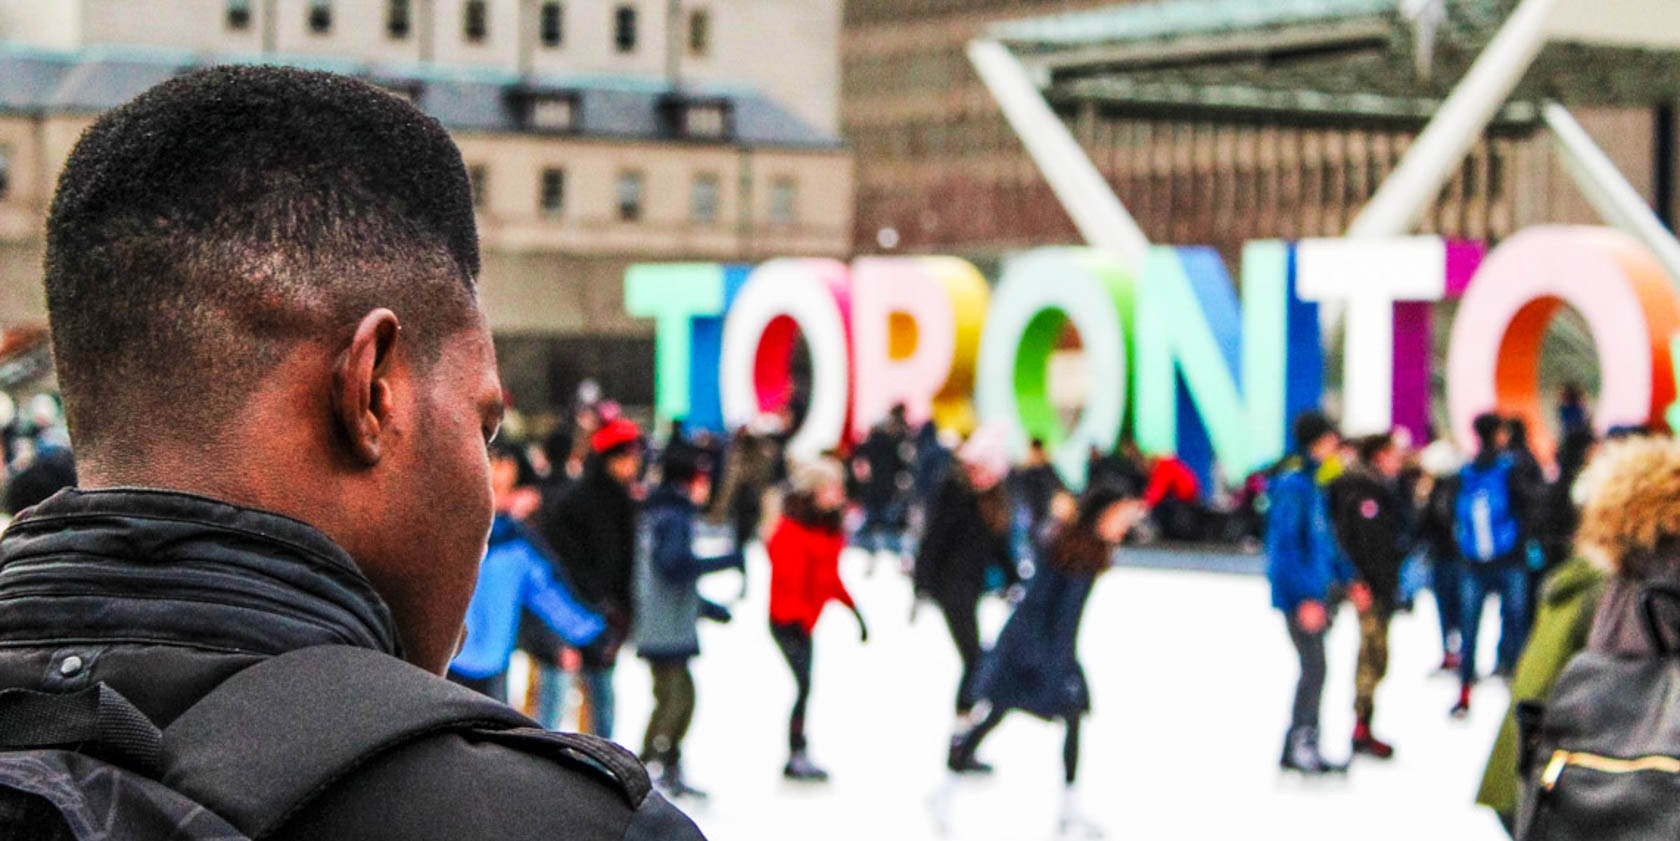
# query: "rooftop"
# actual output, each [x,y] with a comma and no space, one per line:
[40,81]
[1371,58]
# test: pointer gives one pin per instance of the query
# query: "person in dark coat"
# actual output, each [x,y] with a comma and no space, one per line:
[1035,667]
[881,472]
[1370,519]
[969,540]
[1035,484]
[279,387]
[669,606]
[592,527]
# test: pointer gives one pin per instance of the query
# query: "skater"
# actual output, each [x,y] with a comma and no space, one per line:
[1370,519]
[592,526]
[515,575]
[1489,524]
[1035,665]
[1035,484]
[968,540]
[1439,496]
[1304,567]
[804,576]
[668,606]
[882,472]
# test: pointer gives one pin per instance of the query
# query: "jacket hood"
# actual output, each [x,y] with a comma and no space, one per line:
[1630,522]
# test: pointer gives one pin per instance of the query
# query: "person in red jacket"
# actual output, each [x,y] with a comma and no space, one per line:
[804,577]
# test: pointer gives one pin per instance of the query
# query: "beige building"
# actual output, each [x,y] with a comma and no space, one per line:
[598,133]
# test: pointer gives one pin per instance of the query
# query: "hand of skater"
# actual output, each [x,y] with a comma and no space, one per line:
[863,627]
[1312,617]
[1360,594]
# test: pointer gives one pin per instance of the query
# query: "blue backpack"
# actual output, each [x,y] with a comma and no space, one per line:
[1484,524]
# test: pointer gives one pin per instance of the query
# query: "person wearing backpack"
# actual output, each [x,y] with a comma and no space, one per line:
[1489,524]
[1305,568]
[1594,754]
[280,385]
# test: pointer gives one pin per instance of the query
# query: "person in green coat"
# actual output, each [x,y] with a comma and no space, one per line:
[1568,602]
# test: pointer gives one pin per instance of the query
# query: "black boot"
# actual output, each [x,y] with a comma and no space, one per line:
[961,758]
[671,783]
[801,769]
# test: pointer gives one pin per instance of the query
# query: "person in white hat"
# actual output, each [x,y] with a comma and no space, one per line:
[968,541]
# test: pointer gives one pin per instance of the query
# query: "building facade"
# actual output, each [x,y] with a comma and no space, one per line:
[597,134]
[1216,124]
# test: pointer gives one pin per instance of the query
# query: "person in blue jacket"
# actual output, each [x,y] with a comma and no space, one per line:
[514,576]
[668,607]
[1305,567]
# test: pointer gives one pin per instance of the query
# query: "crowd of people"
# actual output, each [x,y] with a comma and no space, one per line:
[598,534]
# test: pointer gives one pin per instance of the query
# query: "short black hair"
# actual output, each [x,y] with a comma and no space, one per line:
[1310,426]
[1487,426]
[204,227]
[1372,446]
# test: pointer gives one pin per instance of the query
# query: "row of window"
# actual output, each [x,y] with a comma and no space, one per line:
[705,195]
[475,23]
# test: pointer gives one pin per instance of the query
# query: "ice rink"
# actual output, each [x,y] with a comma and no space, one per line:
[1191,676]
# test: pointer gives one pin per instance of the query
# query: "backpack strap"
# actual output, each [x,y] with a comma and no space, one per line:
[270,739]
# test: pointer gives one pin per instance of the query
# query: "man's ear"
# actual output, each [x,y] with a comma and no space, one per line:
[361,392]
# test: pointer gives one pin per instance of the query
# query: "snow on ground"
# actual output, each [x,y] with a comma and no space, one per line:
[1191,676]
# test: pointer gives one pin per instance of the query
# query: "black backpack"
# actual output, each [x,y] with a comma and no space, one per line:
[248,756]
[1601,758]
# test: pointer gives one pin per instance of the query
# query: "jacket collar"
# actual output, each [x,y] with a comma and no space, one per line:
[175,568]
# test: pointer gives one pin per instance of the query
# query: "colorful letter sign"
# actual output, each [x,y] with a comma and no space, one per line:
[1207,375]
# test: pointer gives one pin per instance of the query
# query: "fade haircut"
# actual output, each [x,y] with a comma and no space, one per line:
[222,217]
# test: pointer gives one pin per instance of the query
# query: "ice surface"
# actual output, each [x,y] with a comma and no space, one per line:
[1191,678]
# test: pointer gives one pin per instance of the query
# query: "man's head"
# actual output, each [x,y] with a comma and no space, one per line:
[1036,456]
[686,471]
[618,444]
[1381,454]
[1490,431]
[261,287]
[1315,436]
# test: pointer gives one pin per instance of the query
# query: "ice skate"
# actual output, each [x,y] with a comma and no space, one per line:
[1461,710]
[939,806]
[1072,822]
[1366,743]
[671,783]
[960,761]
[1301,754]
[801,769]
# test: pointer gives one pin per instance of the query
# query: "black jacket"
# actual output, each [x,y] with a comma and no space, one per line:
[165,595]
[592,526]
[961,545]
[1370,520]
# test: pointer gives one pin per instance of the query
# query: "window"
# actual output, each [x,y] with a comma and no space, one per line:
[475,24]
[553,192]
[320,16]
[699,32]
[553,113]
[707,120]
[703,202]
[552,25]
[5,170]
[624,29]
[397,19]
[629,195]
[478,176]
[784,201]
[239,14]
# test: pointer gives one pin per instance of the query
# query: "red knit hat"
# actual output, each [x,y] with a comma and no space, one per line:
[614,434]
